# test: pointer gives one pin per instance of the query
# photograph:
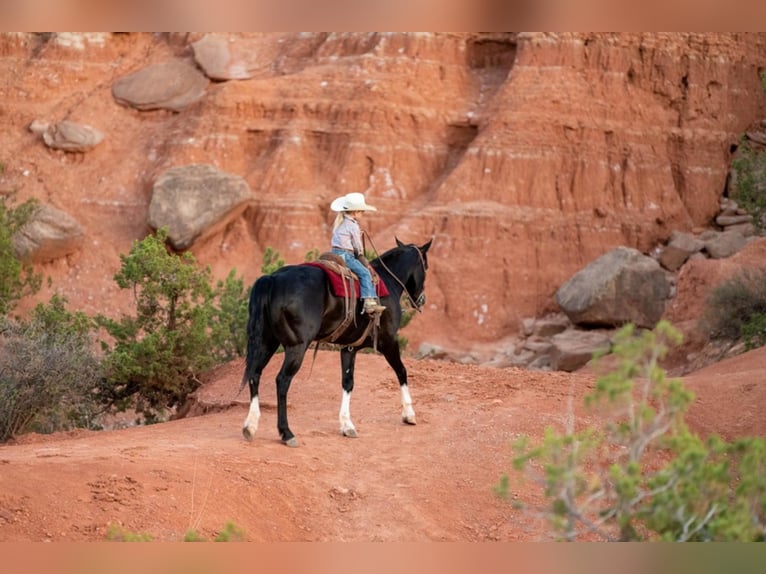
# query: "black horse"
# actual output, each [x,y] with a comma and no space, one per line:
[294,306]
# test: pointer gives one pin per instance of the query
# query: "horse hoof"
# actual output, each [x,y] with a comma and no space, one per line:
[351,433]
[291,442]
[247,434]
[409,420]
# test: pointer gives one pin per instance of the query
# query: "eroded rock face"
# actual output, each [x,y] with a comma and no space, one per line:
[526,156]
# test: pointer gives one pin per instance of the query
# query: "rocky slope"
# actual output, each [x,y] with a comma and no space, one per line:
[525,155]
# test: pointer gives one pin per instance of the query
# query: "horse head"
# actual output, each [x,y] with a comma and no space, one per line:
[415,281]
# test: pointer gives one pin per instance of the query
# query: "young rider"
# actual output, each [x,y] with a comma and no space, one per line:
[347,242]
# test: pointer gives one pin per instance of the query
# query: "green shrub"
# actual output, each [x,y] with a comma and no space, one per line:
[193,536]
[231,533]
[749,185]
[116,533]
[49,372]
[736,309]
[754,331]
[178,332]
[312,255]
[17,279]
[599,481]
[228,322]
[271,261]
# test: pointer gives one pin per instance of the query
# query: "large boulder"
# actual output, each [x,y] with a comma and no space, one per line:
[195,200]
[622,286]
[48,234]
[225,58]
[170,85]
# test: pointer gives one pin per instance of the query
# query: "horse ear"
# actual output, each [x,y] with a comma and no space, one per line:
[398,243]
[425,247]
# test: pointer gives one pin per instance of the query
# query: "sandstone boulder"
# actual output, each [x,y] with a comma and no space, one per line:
[619,287]
[757,137]
[725,244]
[686,242]
[194,201]
[573,349]
[226,58]
[70,136]
[546,326]
[680,247]
[49,234]
[728,220]
[170,85]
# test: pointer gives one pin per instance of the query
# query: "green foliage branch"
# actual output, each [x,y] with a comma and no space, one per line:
[601,483]
[749,184]
[17,279]
[182,327]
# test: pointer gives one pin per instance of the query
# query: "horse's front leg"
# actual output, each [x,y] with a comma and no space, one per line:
[347,362]
[408,413]
[393,357]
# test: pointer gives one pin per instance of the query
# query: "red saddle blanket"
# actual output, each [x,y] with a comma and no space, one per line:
[336,281]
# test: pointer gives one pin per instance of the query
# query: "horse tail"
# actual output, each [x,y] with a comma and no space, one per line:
[260,295]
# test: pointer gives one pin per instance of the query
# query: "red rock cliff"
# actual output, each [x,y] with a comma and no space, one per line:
[524,155]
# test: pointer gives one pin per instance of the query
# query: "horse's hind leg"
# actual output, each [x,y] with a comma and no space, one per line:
[260,360]
[291,365]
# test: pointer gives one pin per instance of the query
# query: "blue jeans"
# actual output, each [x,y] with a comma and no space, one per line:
[365,280]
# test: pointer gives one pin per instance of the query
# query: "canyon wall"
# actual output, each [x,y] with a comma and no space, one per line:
[524,155]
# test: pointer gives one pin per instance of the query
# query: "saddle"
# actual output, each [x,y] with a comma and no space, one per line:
[342,280]
[345,283]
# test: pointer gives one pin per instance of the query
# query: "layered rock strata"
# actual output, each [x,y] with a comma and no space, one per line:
[525,156]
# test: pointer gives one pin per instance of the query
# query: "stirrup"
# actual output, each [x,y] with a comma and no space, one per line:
[372,307]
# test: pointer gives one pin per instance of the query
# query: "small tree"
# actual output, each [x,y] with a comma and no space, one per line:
[749,184]
[600,481]
[158,355]
[17,279]
[271,261]
[228,321]
[312,255]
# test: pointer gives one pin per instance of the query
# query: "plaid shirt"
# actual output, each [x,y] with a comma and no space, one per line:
[348,235]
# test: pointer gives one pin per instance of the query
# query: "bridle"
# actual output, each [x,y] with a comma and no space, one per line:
[421,300]
[418,303]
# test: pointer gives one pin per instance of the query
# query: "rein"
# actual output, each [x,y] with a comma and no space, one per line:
[413,303]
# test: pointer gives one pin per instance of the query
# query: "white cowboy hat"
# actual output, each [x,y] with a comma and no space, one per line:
[351,202]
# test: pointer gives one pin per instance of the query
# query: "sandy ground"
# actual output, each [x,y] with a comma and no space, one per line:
[429,482]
